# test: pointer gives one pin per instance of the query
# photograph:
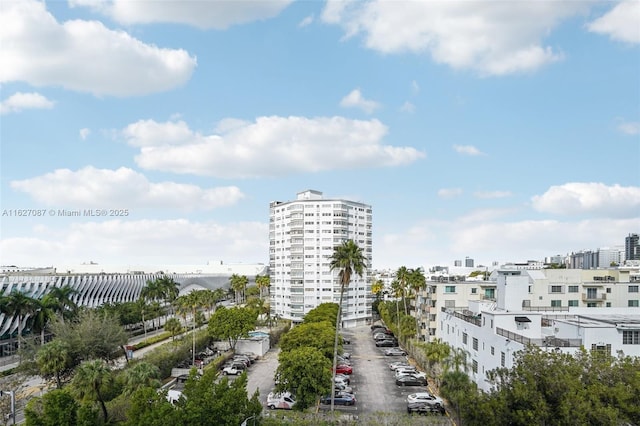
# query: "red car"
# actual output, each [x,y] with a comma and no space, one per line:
[344,369]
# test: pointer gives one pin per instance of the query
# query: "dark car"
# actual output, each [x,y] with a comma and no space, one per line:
[339,399]
[410,380]
[387,343]
[421,407]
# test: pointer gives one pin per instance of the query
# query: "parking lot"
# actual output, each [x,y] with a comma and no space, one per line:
[372,380]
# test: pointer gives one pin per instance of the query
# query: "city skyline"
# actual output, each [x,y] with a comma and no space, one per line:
[145,133]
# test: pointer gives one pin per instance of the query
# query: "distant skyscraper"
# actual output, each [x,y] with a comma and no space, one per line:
[468,262]
[302,237]
[632,247]
[457,263]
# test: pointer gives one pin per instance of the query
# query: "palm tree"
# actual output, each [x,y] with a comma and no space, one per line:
[377,288]
[53,359]
[19,305]
[417,281]
[348,259]
[403,275]
[190,303]
[238,284]
[263,281]
[62,300]
[90,379]
[45,310]
[139,375]
[173,326]
[396,290]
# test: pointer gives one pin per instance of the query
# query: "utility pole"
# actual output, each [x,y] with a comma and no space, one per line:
[12,394]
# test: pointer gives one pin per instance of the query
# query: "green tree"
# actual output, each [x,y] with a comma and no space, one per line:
[231,324]
[348,259]
[151,408]
[227,402]
[173,326]
[53,361]
[91,335]
[89,382]
[61,300]
[55,408]
[263,282]
[377,288]
[140,374]
[318,335]
[403,276]
[321,313]
[191,303]
[20,305]
[305,371]
[239,284]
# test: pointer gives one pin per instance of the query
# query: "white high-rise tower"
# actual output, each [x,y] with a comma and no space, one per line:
[302,237]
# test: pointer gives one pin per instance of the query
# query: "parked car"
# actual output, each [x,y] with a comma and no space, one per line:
[383,336]
[395,352]
[342,360]
[339,399]
[411,380]
[345,340]
[403,371]
[344,369]
[387,343]
[395,365]
[343,378]
[425,397]
[346,355]
[422,407]
[231,370]
[342,387]
[284,401]
[378,326]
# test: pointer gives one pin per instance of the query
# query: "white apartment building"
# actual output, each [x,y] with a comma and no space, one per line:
[302,236]
[547,290]
[492,332]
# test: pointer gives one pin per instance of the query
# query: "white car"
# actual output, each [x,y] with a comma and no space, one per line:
[425,397]
[284,401]
[231,371]
[410,372]
[395,365]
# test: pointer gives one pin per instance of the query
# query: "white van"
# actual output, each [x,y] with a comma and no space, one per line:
[284,401]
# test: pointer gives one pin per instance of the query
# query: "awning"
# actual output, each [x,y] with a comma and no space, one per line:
[523,319]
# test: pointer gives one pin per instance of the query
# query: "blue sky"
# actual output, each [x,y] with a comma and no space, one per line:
[502,131]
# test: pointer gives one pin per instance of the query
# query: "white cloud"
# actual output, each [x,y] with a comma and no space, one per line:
[270,146]
[494,38]
[121,242]
[449,192]
[306,21]
[621,23]
[21,101]
[578,198]
[356,100]
[122,188]
[467,150]
[408,107]
[629,127]
[84,133]
[415,87]
[84,56]
[492,194]
[202,14]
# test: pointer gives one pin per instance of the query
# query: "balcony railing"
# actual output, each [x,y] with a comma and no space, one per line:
[464,315]
[547,342]
[597,297]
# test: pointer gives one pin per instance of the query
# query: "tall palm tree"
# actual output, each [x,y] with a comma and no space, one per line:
[403,275]
[417,281]
[348,259]
[44,312]
[263,281]
[190,303]
[62,300]
[90,380]
[238,284]
[396,290]
[21,306]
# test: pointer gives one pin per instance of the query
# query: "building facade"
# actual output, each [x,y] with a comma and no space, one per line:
[95,284]
[491,333]
[547,290]
[302,236]
[632,247]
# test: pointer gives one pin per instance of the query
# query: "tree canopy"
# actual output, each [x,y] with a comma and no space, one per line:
[231,324]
